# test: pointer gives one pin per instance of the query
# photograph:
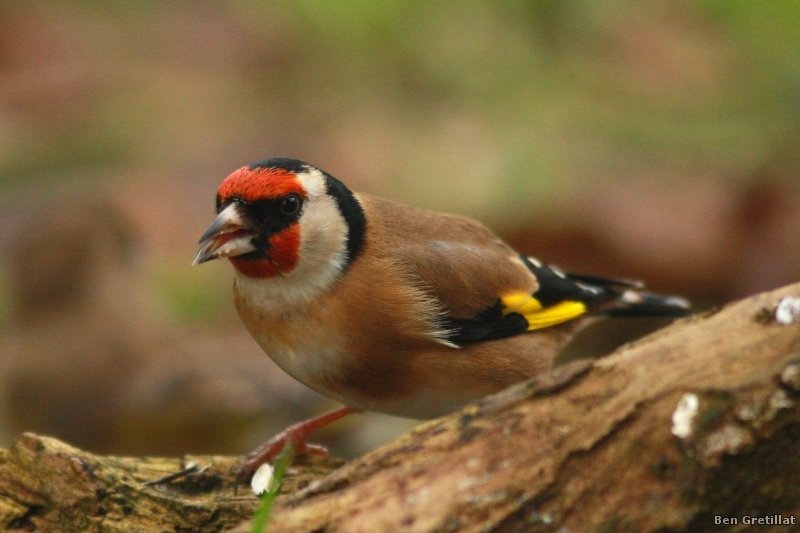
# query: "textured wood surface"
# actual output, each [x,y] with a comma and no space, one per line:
[698,420]
[47,485]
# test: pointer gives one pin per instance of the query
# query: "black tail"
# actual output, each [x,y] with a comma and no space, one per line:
[626,299]
[634,303]
[612,297]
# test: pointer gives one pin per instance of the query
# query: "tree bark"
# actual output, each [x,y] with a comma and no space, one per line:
[693,425]
[47,485]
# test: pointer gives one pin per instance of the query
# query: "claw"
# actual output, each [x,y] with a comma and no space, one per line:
[296,435]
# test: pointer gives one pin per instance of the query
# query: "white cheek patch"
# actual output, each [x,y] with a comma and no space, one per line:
[321,258]
[323,236]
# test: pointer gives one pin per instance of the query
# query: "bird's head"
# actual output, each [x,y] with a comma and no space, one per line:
[281,216]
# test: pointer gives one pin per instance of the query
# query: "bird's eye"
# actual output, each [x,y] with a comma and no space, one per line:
[291,204]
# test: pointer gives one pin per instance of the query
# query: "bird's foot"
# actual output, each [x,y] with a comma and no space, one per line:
[296,435]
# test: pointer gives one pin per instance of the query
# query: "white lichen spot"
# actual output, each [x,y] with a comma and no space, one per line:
[746,411]
[780,400]
[730,440]
[787,310]
[791,376]
[264,480]
[543,518]
[684,415]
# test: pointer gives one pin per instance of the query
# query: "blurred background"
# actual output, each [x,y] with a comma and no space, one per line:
[654,140]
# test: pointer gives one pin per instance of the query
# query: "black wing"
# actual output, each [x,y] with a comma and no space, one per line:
[580,294]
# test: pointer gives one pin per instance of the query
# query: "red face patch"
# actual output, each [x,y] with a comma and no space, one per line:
[261,183]
[284,250]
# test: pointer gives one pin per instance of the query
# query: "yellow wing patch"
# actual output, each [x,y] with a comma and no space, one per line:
[537,316]
[520,302]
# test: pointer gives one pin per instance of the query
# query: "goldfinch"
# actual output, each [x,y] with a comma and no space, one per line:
[390,308]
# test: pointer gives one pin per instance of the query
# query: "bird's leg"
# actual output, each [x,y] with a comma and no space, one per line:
[295,434]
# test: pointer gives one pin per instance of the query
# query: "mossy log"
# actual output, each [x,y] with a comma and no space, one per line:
[694,425]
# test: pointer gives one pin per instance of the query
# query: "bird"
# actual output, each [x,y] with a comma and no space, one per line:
[390,308]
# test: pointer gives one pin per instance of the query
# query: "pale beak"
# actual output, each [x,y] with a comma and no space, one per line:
[228,236]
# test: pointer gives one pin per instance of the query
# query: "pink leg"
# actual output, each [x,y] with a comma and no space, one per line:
[295,434]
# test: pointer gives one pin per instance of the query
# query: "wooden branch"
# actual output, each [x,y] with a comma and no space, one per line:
[697,421]
[46,485]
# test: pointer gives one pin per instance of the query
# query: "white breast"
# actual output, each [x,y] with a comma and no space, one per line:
[303,344]
[313,355]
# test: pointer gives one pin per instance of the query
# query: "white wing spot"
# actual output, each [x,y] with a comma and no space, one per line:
[589,288]
[535,262]
[631,297]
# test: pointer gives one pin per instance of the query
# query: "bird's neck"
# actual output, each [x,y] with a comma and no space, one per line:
[286,292]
